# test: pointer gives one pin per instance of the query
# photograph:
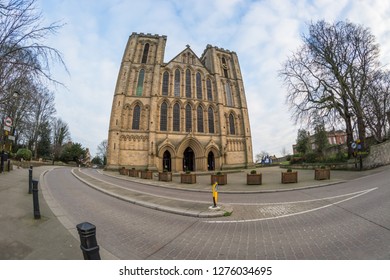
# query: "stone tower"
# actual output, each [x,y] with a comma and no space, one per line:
[187,114]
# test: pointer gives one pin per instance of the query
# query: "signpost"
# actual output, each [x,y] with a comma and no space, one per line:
[357,151]
[8,134]
[8,121]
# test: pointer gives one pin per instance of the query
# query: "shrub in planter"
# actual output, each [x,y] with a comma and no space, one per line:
[289,177]
[133,173]
[253,178]
[146,174]
[220,177]
[165,176]
[188,178]
[322,173]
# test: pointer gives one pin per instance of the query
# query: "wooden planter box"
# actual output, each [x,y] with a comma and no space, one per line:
[134,173]
[123,171]
[253,179]
[220,178]
[188,178]
[146,174]
[165,176]
[289,177]
[322,174]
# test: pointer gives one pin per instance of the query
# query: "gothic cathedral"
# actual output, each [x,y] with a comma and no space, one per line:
[187,114]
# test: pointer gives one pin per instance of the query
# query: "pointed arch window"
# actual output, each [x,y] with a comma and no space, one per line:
[232,129]
[145,53]
[199,93]
[199,112]
[177,83]
[209,90]
[140,85]
[136,117]
[165,83]
[176,117]
[164,117]
[188,83]
[229,97]
[211,120]
[188,118]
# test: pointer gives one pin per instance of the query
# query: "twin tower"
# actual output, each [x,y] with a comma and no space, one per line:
[188,114]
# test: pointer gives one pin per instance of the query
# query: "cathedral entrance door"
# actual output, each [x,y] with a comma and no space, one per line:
[210,161]
[167,161]
[189,160]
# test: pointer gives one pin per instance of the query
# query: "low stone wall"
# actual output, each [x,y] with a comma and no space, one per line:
[379,155]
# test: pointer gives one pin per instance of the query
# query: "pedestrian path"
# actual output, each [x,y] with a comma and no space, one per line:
[271,180]
[22,236]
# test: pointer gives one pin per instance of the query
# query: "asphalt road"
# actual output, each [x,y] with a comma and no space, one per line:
[344,221]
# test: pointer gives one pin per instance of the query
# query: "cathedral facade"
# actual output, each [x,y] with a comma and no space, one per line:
[187,114]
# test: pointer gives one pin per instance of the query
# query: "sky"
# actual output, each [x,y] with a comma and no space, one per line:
[263,33]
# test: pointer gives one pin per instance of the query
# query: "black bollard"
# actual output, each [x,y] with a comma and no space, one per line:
[30,175]
[2,162]
[9,165]
[37,213]
[89,246]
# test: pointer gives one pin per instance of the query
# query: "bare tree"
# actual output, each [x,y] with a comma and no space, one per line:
[22,51]
[42,111]
[329,75]
[61,135]
[102,151]
[377,104]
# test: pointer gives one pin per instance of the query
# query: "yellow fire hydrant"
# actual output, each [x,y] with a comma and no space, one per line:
[215,194]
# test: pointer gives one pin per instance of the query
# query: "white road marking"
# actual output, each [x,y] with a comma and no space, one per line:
[301,201]
[356,194]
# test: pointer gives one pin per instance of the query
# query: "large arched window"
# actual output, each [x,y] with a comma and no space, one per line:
[140,84]
[177,83]
[199,93]
[164,117]
[209,90]
[176,117]
[231,125]
[188,83]
[165,83]
[145,54]
[199,112]
[188,118]
[211,120]
[229,97]
[136,117]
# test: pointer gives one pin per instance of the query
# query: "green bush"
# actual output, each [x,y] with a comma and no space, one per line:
[296,160]
[339,157]
[25,154]
[310,158]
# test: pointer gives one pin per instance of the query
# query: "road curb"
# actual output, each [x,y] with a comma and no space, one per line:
[204,213]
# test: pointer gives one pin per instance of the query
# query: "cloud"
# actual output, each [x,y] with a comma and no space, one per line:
[262,33]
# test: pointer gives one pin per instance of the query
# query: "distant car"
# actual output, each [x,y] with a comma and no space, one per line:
[94,166]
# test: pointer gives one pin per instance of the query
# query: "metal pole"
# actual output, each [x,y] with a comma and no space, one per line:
[30,175]
[37,213]
[2,162]
[88,243]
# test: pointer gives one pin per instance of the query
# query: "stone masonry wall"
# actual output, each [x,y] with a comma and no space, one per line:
[379,155]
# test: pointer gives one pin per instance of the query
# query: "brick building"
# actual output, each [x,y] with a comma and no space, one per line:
[187,114]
